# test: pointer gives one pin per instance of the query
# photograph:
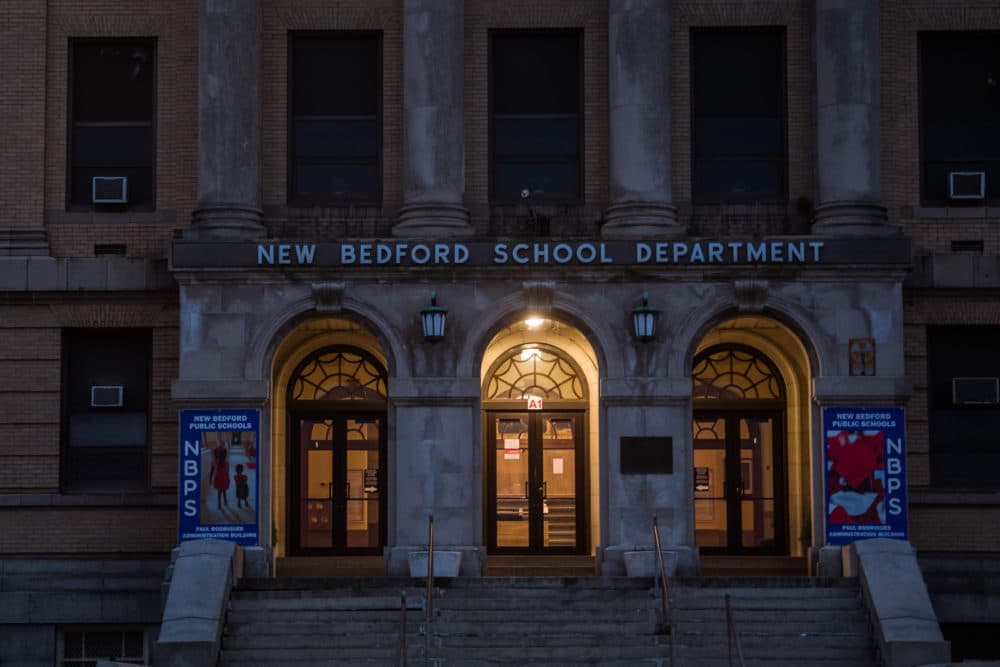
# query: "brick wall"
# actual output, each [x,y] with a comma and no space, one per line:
[22,112]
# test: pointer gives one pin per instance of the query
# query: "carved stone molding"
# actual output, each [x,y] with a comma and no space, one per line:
[538,296]
[329,297]
[750,294]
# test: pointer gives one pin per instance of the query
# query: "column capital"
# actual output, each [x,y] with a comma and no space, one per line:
[853,218]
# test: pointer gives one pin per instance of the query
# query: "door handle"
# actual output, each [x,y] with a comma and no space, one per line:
[347,490]
[544,490]
[526,494]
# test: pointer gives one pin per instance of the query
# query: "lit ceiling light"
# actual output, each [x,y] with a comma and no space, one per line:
[534,322]
[529,353]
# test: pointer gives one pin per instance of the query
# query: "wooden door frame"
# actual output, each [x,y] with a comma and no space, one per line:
[779,462]
[338,412]
[535,451]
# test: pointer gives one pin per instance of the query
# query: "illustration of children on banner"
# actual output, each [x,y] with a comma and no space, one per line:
[219,469]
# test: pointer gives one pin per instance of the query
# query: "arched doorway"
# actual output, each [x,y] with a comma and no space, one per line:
[336,406]
[739,452]
[535,405]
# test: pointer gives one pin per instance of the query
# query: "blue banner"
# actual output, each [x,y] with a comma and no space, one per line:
[865,462]
[219,475]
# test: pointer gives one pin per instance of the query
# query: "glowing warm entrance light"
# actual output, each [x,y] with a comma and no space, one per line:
[534,322]
[530,353]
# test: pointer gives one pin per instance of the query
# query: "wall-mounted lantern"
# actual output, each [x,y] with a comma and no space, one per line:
[433,318]
[644,320]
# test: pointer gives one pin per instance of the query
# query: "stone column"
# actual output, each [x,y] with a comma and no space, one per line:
[433,109]
[847,100]
[656,408]
[435,470]
[229,120]
[639,121]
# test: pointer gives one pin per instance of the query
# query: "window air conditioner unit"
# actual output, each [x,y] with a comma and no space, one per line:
[106,396]
[975,391]
[110,189]
[967,184]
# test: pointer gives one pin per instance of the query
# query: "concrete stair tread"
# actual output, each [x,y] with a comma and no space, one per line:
[325,603]
[782,621]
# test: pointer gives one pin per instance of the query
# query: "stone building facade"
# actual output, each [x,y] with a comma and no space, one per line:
[539,167]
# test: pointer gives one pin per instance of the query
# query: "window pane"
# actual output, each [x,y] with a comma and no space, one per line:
[139,187]
[737,73]
[739,136]
[738,105]
[544,180]
[536,74]
[116,429]
[108,357]
[336,138]
[113,145]
[550,137]
[113,81]
[135,644]
[103,644]
[73,644]
[106,469]
[335,75]
[960,102]
[755,177]
[337,180]
[963,437]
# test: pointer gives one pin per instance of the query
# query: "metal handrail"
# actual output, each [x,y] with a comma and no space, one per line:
[667,626]
[402,629]
[429,604]
[732,635]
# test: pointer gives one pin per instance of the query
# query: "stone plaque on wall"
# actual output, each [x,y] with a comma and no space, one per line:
[646,455]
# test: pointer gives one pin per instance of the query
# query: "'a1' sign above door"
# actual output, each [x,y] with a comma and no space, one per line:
[534,402]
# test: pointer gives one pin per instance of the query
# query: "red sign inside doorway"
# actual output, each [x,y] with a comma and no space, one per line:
[534,402]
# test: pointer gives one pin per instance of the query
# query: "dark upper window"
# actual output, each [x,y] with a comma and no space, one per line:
[112,84]
[960,108]
[535,115]
[105,444]
[963,428]
[334,117]
[738,114]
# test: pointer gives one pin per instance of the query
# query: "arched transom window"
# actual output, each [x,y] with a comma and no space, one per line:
[534,370]
[735,372]
[339,374]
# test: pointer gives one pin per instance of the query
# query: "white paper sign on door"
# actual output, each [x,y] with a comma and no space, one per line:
[557,466]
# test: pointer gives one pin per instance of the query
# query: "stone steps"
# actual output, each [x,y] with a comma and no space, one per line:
[782,621]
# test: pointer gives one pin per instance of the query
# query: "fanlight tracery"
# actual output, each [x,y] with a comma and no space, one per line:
[735,373]
[535,371]
[339,375]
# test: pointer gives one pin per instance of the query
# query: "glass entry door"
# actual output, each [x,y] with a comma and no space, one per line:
[340,481]
[738,483]
[535,483]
